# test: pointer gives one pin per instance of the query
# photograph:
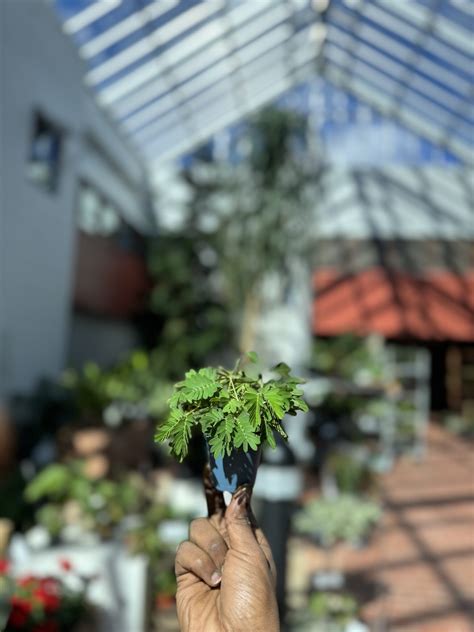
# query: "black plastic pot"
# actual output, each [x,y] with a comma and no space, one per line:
[228,472]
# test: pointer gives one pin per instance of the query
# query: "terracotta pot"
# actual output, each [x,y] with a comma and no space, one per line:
[238,468]
[164,601]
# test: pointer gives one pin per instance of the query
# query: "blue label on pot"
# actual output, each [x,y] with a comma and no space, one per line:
[231,471]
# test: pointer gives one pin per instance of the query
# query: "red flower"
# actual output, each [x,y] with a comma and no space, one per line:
[18,618]
[20,612]
[49,585]
[65,564]
[48,593]
[20,603]
[4,566]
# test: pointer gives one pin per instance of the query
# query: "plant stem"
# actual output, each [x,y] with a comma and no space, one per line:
[233,387]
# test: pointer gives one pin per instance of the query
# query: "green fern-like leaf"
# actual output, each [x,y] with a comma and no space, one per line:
[232,406]
[253,401]
[211,418]
[228,430]
[269,435]
[252,356]
[199,385]
[216,445]
[282,369]
[222,441]
[166,430]
[300,404]
[180,438]
[244,435]
[235,409]
[278,399]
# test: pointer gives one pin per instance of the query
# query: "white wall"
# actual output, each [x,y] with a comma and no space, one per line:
[40,69]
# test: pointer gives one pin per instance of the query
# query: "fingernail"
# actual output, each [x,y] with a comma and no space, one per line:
[243,498]
[227,498]
[216,578]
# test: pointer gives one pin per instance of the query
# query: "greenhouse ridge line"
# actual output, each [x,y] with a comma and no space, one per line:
[152,63]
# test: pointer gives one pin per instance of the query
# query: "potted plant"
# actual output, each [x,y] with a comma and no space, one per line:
[76,504]
[344,518]
[348,472]
[44,604]
[237,411]
[333,610]
[165,587]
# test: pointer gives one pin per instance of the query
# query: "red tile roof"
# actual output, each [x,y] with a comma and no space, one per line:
[439,305]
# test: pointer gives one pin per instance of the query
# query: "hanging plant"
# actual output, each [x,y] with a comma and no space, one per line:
[237,411]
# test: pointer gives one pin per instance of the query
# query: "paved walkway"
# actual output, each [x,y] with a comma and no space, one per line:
[417,575]
[426,546]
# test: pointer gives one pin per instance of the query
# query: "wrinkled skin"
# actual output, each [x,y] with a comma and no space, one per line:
[225,571]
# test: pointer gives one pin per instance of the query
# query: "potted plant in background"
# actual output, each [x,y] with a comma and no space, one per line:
[345,518]
[348,472]
[115,409]
[76,506]
[332,524]
[165,589]
[108,527]
[241,211]
[34,603]
[237,411]
[333,612]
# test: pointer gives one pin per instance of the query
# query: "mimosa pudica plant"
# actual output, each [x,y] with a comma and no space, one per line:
[235,409]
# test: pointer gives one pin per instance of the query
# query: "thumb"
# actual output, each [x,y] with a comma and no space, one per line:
[239,526]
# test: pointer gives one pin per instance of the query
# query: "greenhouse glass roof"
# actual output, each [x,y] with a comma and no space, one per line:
[172,73]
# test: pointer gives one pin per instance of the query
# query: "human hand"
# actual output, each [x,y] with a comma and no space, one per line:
[225,571]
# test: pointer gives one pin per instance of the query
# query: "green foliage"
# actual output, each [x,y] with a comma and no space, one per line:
[98,505]
[344,518]
[352,475]
[54,482]
[165,582]
[328,607]
[234,409]
[246,209]
[135,387]
[190,319]
[362,360]
[198,385]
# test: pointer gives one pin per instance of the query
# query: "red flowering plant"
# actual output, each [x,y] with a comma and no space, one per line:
[41,604]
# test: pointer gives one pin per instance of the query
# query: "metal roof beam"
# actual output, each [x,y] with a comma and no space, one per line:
[125,27]
[251,65]
[420,16]
[208,39]
[397,25]
[259,98]
[254,68]
[153,40]
[439,98]
[89,15]
[224,68]
[369,90]
[204,65]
